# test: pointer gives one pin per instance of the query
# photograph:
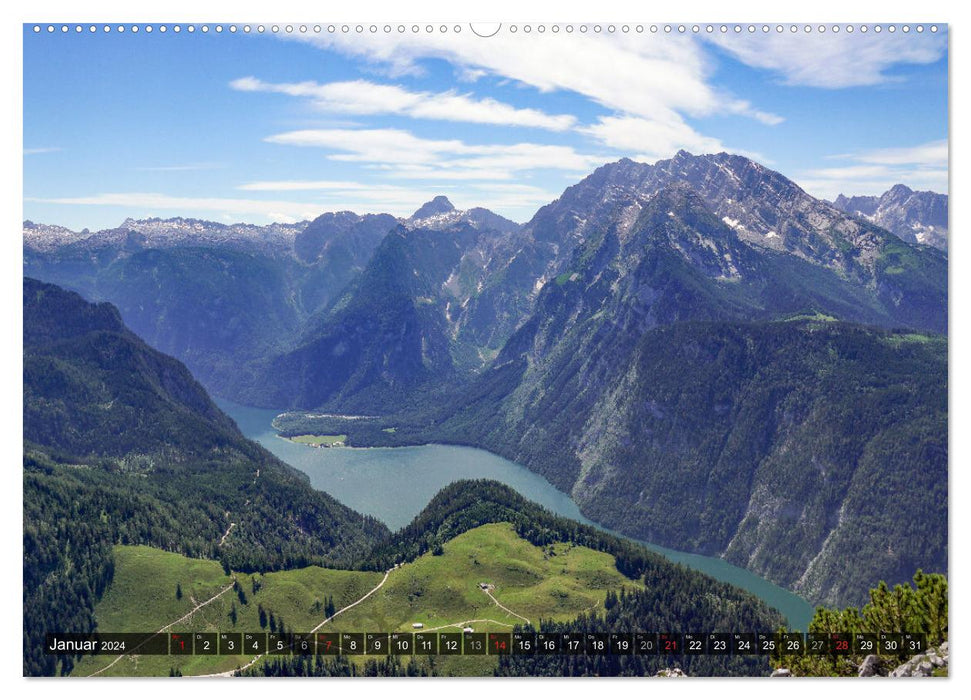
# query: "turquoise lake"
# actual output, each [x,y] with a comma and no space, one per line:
[394,484]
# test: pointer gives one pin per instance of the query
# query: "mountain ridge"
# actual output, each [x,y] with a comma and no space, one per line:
[536,341]
[123,446]
[914,216]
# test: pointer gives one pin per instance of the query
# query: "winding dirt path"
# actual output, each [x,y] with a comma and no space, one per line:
[225,674]
[488,592]
[465,623]
[170,625]
[226,534]
[356,602]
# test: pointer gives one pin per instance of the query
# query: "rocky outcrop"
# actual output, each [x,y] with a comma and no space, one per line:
[671,673]
[872,665]
[923,665]
[931,663]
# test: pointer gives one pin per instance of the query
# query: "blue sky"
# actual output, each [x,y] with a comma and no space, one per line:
[259,128]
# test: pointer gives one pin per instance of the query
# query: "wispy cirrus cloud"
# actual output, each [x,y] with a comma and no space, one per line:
[933,154]
[832,60]
[402,153]
[923,166]
[648,140]
[627,74]
[657,80]
[45,149]
[362,97]
[186,167]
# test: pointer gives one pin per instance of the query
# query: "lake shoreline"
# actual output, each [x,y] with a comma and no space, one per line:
[395,488]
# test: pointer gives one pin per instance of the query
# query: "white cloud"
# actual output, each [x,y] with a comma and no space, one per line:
[302,185]
[656,78]
[361,97]
[933,154]
[441,171]
[832,60]
[418,158]
[638,76]
[648,140]
[46,149]
[333,193]
[744,108]
[921,167]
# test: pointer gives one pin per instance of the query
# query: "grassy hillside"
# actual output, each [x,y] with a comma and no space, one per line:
[122,446]
[556,582]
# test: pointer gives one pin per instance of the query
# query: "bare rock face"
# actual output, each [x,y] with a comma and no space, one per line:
[872,665]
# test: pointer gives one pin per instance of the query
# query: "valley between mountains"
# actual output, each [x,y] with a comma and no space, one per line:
[700,353]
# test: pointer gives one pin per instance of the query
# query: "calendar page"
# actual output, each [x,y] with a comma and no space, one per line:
[496,350]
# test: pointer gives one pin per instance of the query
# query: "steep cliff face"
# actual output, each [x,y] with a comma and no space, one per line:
[690,385]
[788,448]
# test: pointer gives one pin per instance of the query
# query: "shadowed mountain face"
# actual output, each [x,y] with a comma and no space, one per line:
[404,323]
[123,446]
[96,394]
[691,386]
[92,387]
[698,337]
[916,217]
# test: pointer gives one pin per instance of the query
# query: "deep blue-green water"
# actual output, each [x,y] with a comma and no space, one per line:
[395,483]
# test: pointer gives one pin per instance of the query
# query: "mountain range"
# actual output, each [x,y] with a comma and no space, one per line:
[916,217]
[698,351]
[125,455]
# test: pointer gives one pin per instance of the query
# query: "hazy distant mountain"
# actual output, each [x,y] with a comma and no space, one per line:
[438,206]
[224,298]
[439,213]
[164,233]
[402,323]
[215,296]
[917,217]
[699,351]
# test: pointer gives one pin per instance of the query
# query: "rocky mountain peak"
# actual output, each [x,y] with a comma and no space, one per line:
[438,205]
[899,191]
